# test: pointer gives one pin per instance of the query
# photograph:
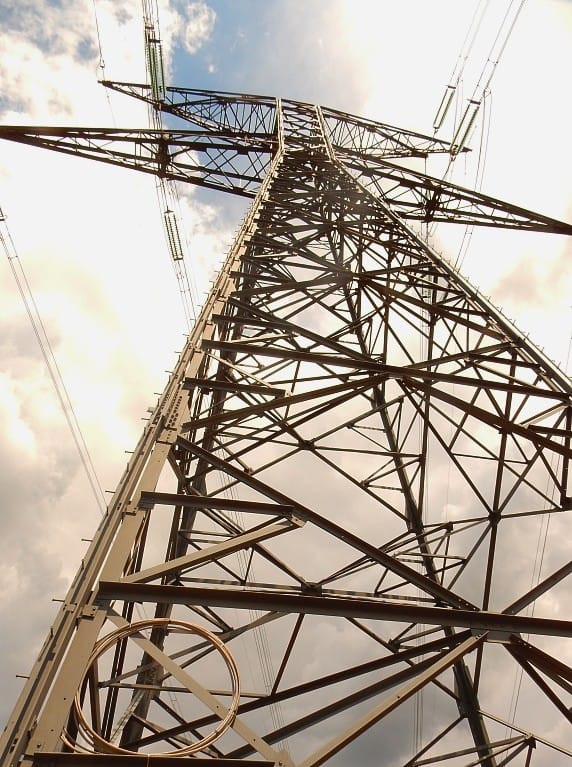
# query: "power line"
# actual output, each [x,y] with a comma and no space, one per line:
[47,351]
[457,74]
[166,189]
[102,61]
[465,127]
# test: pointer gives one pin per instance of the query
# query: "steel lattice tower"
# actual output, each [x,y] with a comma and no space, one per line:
[338,484]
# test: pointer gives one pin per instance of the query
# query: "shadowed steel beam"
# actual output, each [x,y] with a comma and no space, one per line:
[342,704]
[542,684]
[332,679]
[209,553]
[372,609]
[375,554]
[204,158]
[541,588]
[59,759]
[418,197]
[149,499]
[490,418]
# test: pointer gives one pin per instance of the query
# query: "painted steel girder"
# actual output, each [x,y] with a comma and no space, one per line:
[479,621]
[255,116]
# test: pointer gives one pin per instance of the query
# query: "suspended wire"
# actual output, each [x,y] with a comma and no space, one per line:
[101,64]
[484,142]
[166,189]
[101,59]
[457,74]
[151,13]
[420,699]
[266,666]
[169,201]
[462,132]
[494,59]
[538,563]
[48,355]
[465,127]
[480,173]
[534,581]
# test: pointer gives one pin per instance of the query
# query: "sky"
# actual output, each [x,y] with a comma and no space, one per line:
[89,236]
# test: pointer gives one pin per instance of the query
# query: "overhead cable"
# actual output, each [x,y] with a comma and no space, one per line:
[459,68]
[465,127]
[166,188]
[102,61]
[48,355]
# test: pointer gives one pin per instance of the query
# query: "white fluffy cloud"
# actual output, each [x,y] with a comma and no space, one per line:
[198,23]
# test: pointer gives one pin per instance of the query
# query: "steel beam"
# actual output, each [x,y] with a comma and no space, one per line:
[501,624]
[61,759]
[385,707]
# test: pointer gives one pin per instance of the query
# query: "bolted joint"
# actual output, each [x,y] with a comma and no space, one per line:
[312,589]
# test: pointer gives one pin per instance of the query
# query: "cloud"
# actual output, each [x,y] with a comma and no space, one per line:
[41,24]
[198,20]
[529,282]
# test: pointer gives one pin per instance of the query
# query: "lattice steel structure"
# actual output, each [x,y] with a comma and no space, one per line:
[340,488]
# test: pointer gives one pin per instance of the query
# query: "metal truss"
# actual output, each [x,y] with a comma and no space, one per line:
[240,134]
[342,484]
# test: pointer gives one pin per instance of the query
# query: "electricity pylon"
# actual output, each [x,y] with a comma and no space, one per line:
[332,513]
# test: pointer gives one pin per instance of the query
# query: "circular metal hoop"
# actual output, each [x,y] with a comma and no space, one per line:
[101,744]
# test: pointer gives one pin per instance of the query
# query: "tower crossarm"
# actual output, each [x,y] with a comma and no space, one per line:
[256,116]
[418,197]
[244,114]
[371,138]
[213,159]
[230,159]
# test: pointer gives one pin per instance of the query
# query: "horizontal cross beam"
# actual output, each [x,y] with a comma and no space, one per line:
[59,759]
[224,159]
[351,607]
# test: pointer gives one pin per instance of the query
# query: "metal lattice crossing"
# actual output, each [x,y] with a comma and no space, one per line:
[332,507]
